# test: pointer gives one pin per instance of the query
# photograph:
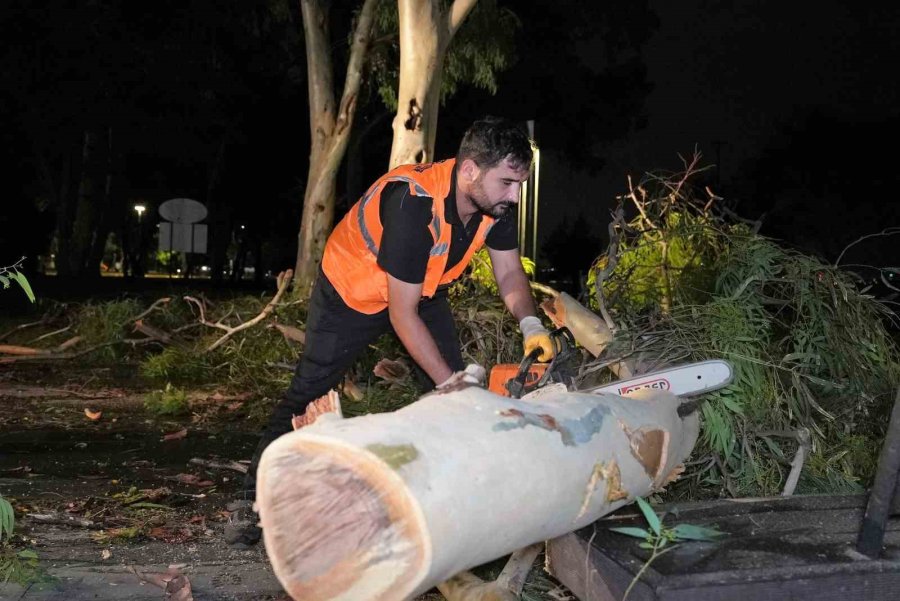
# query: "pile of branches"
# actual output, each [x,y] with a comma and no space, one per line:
[815,365]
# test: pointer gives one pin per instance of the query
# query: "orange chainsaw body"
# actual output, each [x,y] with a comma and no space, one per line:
[503,373]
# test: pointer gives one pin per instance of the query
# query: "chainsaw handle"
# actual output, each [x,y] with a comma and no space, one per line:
[563,340]
[516,386]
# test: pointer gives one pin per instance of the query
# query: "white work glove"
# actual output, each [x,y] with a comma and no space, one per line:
[534,336]
[473,374]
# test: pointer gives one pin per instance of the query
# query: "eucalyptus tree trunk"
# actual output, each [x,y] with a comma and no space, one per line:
[425,34]
[330,125]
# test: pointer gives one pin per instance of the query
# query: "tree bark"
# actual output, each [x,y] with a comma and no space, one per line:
[425,34]
[104,221]
[219,221]
[87,209]
[386,506]
[330,130]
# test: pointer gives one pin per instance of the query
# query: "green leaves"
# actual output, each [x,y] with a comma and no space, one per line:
[23,282]
[631,531]
[12,273]
[659,535]
[7,520]
[650,515]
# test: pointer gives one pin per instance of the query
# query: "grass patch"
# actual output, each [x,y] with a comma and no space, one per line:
[170,401]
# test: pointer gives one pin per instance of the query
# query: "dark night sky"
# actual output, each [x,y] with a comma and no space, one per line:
[734,72]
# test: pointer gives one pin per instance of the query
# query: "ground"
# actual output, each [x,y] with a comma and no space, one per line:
[132,498]
[112,504]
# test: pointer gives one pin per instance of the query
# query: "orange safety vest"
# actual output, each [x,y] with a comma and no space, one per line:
[351,253]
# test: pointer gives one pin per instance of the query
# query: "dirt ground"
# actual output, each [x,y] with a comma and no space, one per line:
[106,502]
[120,506]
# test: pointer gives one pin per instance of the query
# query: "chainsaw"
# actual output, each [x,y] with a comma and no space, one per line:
[529,377]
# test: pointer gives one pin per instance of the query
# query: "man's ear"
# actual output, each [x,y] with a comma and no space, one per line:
[469,170]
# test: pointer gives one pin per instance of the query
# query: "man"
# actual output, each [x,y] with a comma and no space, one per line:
[388,264]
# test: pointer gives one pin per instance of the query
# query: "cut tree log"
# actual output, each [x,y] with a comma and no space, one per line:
[384,507]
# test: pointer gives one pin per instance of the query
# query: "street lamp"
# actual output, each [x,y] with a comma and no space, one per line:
[139,209]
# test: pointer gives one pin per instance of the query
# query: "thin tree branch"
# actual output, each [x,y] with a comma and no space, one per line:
[201,306]
[890,231]
[50,334]
[156,304]
[612,259]
[25,326]
[359,50]
[457,14]
[640,204]
[283,281]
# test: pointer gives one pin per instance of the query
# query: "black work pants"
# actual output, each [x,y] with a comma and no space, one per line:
[336,336]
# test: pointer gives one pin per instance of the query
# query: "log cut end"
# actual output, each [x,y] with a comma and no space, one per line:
[338,522]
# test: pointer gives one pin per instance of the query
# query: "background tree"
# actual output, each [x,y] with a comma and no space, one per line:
[426,30]
[330,125]
[375,41]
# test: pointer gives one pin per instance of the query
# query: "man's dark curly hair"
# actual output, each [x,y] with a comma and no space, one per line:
[492,139]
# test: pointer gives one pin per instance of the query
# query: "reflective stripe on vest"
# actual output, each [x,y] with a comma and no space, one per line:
[438,249]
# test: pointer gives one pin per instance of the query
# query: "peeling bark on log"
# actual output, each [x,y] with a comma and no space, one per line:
[384,507]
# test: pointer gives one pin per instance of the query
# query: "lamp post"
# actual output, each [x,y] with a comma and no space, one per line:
[528,205]
[138,264]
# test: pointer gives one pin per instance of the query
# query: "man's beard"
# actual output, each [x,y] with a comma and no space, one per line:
[497,211]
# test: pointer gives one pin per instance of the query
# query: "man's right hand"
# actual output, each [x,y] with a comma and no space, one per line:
[403,308]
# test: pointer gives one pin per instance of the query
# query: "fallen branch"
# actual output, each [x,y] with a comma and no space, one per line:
[24,326]
[793,478]
[67,344]
[28,351]
[282,281]
[156,304]
[12,349]
[176,585]
[219,465]
[64,520]
[49,334]
[54,356]
[151,332]
[290,333]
